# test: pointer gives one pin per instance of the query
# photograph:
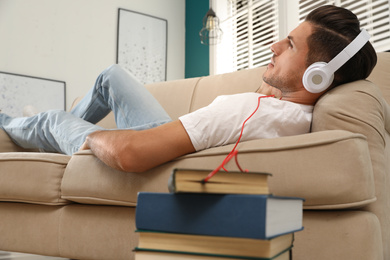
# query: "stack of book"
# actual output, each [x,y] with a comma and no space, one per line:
[232,216]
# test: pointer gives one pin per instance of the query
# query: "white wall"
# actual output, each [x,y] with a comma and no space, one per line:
[74,40]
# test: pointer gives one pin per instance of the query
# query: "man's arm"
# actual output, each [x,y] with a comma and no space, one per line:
[138,151]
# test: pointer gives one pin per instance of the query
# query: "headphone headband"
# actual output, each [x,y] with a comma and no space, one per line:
[348,51]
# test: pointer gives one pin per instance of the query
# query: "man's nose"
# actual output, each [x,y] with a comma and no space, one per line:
[277,48]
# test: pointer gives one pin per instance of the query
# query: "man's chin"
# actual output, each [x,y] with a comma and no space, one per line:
[267,79]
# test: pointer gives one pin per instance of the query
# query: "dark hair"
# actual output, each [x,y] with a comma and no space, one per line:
[333,29]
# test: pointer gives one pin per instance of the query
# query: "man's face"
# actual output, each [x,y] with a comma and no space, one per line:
[288,63]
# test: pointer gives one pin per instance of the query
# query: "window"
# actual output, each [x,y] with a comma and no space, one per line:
[251,26]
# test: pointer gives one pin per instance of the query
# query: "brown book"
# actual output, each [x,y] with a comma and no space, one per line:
[190,180]
[155,255]
[214,245]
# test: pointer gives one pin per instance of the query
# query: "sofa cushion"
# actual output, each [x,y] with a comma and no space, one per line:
[311,166]
[30,228]
[381,74]
[208,88]
[88,180]
[175,96]
[32,177]
[8,146]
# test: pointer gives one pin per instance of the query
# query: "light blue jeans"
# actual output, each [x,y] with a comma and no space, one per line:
[59,131]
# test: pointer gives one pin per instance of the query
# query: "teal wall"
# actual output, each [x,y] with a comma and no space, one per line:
[196,54]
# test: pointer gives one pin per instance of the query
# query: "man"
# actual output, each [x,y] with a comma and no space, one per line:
[147,137]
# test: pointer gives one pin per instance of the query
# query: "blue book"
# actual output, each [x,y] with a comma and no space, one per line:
[229,215]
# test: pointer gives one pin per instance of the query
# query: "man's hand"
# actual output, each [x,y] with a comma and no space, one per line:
[138,151]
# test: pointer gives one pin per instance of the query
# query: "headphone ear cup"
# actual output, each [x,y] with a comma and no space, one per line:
[316,79]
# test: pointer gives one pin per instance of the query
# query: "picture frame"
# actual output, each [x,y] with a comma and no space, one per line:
[18,91]
[142,45]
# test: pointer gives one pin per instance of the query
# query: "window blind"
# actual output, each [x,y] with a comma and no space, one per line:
[374,16]
[253,26]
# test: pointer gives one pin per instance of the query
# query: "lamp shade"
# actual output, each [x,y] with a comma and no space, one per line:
[211,33]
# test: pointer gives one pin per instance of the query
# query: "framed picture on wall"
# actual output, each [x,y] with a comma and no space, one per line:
[18,91]
[142,45]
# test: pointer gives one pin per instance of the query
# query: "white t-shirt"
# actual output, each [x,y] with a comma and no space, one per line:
[220,122]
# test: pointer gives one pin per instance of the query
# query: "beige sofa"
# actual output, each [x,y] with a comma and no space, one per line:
[76,207]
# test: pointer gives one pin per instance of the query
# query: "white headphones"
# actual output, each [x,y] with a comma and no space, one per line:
[319,76]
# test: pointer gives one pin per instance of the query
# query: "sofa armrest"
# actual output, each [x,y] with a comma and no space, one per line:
[326,168]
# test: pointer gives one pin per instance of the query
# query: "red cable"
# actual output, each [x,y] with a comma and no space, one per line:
[234,152]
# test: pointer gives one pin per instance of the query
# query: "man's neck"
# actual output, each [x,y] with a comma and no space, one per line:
[267,90]
[301,96]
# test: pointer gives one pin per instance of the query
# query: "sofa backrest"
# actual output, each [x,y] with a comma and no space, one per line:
[183,96]
[381,76]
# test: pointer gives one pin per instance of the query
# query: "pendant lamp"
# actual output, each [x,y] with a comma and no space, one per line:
[211,33]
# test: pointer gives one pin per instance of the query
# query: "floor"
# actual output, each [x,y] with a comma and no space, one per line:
[19,256]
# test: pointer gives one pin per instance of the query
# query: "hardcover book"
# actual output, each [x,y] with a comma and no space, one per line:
[230,215]
[190,180]
[198,244]
[167,255]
